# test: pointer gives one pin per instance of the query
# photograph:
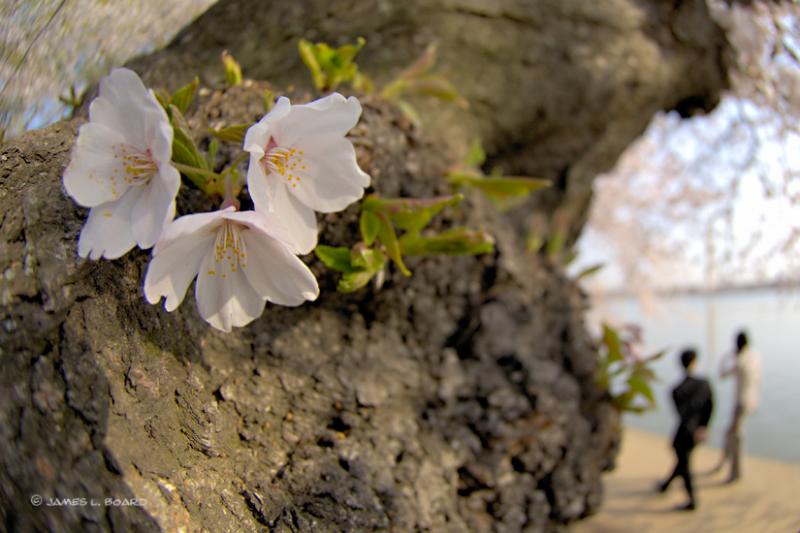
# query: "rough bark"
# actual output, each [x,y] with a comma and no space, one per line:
[462,398]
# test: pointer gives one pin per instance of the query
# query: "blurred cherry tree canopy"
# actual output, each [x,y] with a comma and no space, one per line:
[48,47]
[712,201]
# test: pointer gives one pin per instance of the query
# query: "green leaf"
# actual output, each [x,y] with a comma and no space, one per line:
[410,214]
[363,258]
[346,53]
[183,97]
[269,100]
[417,80]
[394,90]
[211,156]
[639,386]
[309,57]
[654,357]
[436,86]
[352,281]
[569,257]
[369,225]
[423,64]
[362,83]
[409,112]
[555,244]
[534,243]
[458,241]
[164,99]
[388,238]
[475,156]
[233,134]
[368,262]
[185,152]
[329,67]
[499,188]
[233,71]
[590,270]
[612,343]
[334,257]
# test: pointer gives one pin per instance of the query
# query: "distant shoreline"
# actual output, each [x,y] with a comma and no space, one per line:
[782,285]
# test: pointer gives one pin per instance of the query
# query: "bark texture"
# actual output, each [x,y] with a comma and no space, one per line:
[461,399]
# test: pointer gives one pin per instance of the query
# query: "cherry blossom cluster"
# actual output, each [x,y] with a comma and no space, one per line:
[300,162]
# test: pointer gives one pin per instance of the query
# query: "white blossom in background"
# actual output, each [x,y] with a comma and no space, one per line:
[301,162]
[121,168]
[242,259]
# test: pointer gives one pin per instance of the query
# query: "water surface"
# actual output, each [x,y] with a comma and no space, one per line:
[709,322]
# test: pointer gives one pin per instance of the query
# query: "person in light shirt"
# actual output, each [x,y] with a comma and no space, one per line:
[744,365]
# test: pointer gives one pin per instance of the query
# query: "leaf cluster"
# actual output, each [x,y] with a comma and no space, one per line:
[504,191]
[380,221]
[196,165]
[331,67]
[417,79]
[626,377]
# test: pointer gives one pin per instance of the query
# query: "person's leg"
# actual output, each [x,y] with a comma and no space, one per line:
[686,474]
[736,445]
[727,451]
[664,485]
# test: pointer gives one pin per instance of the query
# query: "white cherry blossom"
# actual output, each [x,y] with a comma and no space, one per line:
[121,169]
[241,259]
[301,162]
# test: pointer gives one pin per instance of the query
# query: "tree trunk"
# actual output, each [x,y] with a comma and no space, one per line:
[462,398]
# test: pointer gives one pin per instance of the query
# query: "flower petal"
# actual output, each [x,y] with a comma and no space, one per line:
[107,232]
[332,115]
[275,272]
[331,179]
[158,136]
[258,135]
[261,187]
[155,207]
[189,224]
[172,270]
[226,302]
[290,220]
[125,105]
[94,175]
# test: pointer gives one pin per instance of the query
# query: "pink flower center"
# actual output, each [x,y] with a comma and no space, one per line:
[138,166]
[230,254]
[285,162]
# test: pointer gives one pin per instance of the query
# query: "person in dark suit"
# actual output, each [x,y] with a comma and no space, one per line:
[694,404]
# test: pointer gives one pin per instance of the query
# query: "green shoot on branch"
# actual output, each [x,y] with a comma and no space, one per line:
[589,271]
[73,100]
[505,191]
[380,221]
[233,71]
[417,79]
[184,96]
[329,67]
[269,100]
[198,167]
[231,134]
[623,373]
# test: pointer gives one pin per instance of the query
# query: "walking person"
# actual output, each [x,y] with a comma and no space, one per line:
[745,367]
[694,404]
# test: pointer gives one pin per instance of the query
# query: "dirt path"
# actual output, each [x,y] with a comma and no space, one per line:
[767,498]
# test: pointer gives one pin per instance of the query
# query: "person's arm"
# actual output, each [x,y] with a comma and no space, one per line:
[727,366]
[708,406]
